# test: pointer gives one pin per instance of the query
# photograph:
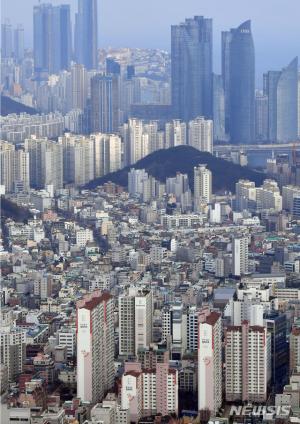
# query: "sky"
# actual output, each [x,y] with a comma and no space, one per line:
[146,23]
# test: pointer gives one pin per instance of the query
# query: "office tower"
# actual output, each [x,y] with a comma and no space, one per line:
[202,186]
[19,43]
[78,159]
[240,260]
[95,346]
[112,66]
[136,142]
[86,34]
[209,361]
[247,359]
[218,108]
[281,88]
[175,133]
[135,321]
[52,38]
[201,134]
[46,162]
[276,324]
[191,72]
[238,67]
[107,153]
[6,40]
[12,352]
[261,117]
[245,194]
[296,207]
[104,103]
[79,87]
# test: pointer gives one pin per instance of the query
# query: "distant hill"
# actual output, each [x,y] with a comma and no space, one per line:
[165,163]
[9,105]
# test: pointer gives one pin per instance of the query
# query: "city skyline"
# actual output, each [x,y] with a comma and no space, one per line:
[267,39]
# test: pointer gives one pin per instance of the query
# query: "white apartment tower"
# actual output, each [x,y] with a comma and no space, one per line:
[95,346]
[202,186]
[175,133]
[201,134]
[247,359]
[209,361]
[240,261]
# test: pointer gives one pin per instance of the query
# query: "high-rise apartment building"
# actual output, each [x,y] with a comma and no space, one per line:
[238,67]
[175,133]
[79,87]
[191,73]
[261,117]
[52,38]
[104,103]
[209,361]
[86,34]
[248,360]
[107,153]
[46,162]
[95,346]
[78,159]
[201,134]
[245,194]
[281,87]
[218,108]
[240,261]
[12,350]
[135,321]
[136,141]
[202,185]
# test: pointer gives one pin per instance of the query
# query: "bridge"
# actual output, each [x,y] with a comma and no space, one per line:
[283,147]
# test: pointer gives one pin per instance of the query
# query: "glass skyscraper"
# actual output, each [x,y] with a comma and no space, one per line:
[191,55]
[238,63]
[86,34]
[281,87]
[52,38]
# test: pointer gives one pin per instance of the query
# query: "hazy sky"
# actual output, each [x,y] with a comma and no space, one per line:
[146,23]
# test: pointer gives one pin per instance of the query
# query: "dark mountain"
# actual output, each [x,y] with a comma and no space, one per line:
[9,105]
[165,163]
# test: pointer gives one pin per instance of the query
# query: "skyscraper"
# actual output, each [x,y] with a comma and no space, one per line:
[218,108]
[86,34]
[19,43]
[52,39]
[238,67]
[95,346]
[281,88]
[191,55]
[104,103]
[6,40]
